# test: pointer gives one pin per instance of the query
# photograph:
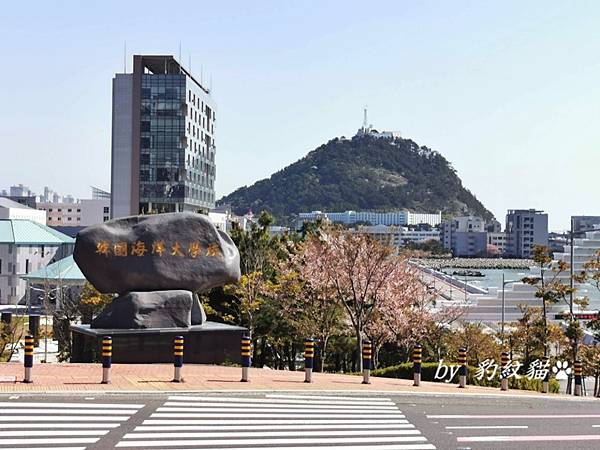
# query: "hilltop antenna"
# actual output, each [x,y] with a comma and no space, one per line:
[365,122]
[180,52]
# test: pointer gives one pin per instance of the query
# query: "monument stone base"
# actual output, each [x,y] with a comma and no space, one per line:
[209,343]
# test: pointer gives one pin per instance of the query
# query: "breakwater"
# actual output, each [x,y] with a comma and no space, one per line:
[475,263]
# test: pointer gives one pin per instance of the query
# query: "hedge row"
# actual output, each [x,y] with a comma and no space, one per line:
[428,373]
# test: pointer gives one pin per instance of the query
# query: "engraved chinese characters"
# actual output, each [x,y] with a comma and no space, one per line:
[157,252]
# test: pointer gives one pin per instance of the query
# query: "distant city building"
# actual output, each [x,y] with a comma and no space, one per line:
[496,243]
[348,218]
[25,246]
[70,212]
[163,145]
[524,229]
[585,223]
[20,194]
[397,236]
[465,236]
[10,209]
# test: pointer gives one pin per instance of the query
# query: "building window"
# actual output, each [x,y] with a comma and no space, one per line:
[106,210]
[0,266]
[26,266]
[59,210]
[69,210]
[105,218]
[78,209]
[69,219]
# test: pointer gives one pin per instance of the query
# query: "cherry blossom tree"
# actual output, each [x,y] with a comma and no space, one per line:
[365,277]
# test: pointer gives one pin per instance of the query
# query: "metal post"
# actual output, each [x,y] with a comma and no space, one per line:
[571,272]
[504,360]
[546,381]
[28,359]
[309,355]
[367,361]
[503,309]
[177,359]
[106,359]
[246,357]
[578,369]
[417,359]
[462,371]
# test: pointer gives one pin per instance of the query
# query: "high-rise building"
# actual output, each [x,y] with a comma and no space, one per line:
[524,229]
[163,146]
[465,236]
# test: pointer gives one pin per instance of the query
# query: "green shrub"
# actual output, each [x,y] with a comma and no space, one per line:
[428,370]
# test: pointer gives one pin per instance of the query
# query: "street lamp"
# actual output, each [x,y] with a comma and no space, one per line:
[504,283]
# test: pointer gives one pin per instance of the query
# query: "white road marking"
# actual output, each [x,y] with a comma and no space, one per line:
[567,437]
[53,433]
[514,416]
[337,447]
[279,405]
[216,442]
[66,411]
[53,426]
[67,405]
[485,427]
[48,441]
[63,418]
[275,415]
[45,448]
[291,426]
[244,434]
[324,397]
[289,409]
[301,401]
[291,422]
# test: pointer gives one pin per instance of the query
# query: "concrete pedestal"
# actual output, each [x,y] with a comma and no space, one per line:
[209,343]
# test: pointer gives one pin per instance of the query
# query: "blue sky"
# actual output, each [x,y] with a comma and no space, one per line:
[508,91]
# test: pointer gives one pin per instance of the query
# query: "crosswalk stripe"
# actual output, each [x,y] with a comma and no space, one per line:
[276,421]
[337,447]
[302,401]
[68,405]
[66,411]
[242,434]
[277,410]
[324,397]
[53,426]
[484,427]
[63,418]
[260,441]
[27,441]
[45,448]
[513,416]
[270,426]
[278,405]
[53,433]
[275,415]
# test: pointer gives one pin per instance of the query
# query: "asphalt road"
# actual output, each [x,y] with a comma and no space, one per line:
[294,421]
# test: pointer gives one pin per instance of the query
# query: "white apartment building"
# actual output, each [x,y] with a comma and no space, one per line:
[12,210]
[398,218]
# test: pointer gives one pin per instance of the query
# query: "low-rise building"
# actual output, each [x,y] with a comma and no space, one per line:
[25,246]
[397,237]
[465,236]
[349,218]
[10,209]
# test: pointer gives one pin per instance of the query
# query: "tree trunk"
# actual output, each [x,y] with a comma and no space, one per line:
[359,344]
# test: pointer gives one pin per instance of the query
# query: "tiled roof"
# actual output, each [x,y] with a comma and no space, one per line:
[22,232]
[65,270]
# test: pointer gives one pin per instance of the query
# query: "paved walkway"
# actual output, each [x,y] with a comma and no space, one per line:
[157,377]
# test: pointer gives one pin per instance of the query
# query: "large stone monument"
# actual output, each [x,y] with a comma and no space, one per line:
[156,265]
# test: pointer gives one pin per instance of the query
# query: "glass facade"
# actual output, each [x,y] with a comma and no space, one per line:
[176,145]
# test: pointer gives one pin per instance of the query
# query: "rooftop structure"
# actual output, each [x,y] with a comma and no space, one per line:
[10,209]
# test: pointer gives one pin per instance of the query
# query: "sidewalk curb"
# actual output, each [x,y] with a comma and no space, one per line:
[302,392]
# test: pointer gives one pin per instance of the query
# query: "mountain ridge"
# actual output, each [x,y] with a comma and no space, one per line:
[363,173]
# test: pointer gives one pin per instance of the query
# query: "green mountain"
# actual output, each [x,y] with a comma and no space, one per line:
[362,173]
